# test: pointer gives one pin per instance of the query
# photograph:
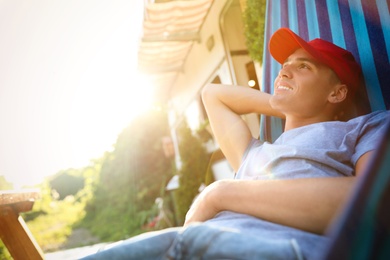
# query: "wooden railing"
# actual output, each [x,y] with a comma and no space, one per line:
[13,230]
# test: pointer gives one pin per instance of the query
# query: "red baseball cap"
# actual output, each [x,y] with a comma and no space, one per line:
[285,42]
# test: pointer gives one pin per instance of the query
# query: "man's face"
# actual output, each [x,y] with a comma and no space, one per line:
[303,86]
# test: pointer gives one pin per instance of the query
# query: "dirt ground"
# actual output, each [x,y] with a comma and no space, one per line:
[80,237]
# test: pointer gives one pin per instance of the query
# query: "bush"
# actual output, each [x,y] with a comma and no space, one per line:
[131,177]
[254,23]
[4,254]
[193,172]
[67,183]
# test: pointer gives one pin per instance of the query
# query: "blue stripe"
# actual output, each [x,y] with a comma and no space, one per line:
[335,23]
[275,67]
[384,16]
[270,27]
[275,16]
[293,16]
[347,26]
[269,23]
[311,15]
[277,23]
[277,128]
[277,10]
[378,47]
[371,20]
[366,59]
[271,128]
[262,128]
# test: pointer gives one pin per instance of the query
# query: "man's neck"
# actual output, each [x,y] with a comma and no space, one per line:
[293,122]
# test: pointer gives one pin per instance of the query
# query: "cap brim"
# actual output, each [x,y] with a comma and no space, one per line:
[285,42]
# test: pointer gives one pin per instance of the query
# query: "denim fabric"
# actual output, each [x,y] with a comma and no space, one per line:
[147,246]
[200,241]
[309,243]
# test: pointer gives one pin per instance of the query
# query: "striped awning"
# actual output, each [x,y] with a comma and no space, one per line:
[169,30]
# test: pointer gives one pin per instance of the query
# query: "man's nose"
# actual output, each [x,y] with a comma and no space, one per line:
[284,73]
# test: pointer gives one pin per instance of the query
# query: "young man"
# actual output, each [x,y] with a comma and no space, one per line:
[285,193]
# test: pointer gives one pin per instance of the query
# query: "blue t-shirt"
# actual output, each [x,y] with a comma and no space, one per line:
[326,149]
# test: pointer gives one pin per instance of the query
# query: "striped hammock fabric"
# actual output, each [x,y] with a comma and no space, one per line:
[362,231]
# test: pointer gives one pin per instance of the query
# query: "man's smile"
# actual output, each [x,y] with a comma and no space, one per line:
[282,87]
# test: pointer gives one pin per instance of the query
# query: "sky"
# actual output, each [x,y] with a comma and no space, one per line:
[68,82]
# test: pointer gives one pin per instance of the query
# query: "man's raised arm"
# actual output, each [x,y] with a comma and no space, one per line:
[224,105]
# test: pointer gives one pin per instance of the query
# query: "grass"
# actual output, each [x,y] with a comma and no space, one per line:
[52,229]
[51,223]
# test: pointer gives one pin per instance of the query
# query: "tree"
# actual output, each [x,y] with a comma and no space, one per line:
[131,177]
[67,182]
[193,172]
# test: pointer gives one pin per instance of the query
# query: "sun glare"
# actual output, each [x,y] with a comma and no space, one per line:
[70,83]
[99,115]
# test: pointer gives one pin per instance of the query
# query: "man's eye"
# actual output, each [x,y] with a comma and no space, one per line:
[304,66]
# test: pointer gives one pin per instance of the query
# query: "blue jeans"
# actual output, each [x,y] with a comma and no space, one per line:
[200,241]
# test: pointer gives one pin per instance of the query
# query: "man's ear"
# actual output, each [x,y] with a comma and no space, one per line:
[338,94]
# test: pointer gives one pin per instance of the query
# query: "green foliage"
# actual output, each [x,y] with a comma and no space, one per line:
[51,221]
[4,184]
[193,172]
[254,23]
[120,188]
[67,182]
[4,254]
[52,229]
[131,177]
